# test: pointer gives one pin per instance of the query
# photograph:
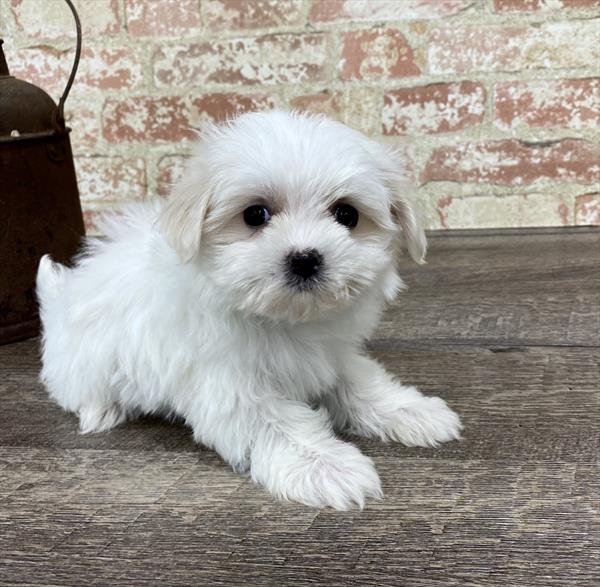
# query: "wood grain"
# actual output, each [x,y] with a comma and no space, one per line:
[538,289]
[504,326]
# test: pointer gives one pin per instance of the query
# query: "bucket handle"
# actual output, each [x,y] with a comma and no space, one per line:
[58,117]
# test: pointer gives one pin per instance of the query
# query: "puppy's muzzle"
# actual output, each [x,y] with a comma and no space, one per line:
[305,266]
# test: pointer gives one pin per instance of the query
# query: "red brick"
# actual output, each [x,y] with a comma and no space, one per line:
[513,48]
[146,119]
[357,106]
[375,55]
[49,68]
[90,220]
[241,14]
[222,106]
[548,103]
[291,59]
[497,211]
[543,5]
[84,121]
[169,172]
[434,108]
[587,209]
[325,102]
[52,19]
[94,213]
[162,18]
[45,67]
[110,69]
[383,10]
[111,178]
[514,163]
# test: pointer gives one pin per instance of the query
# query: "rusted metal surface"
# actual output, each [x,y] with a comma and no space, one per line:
[41,213]
[40,210]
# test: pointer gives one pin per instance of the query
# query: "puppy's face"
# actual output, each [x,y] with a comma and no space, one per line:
[295,216]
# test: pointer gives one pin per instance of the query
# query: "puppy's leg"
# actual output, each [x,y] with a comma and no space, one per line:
[80,382]
[82,385]
[369,402]
[293,452]
[95,417]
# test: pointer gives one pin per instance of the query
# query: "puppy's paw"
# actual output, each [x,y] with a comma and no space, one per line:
[341,479]
[424,421]
[340,485]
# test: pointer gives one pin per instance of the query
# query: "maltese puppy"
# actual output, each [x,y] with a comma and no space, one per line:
[242,305]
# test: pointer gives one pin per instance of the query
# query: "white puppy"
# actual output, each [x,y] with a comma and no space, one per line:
[243,305]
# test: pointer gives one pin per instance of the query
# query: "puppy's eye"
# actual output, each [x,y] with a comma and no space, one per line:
[256,215]
[346,214]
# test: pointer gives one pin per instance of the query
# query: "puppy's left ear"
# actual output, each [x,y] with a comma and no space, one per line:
[182,217]
[407,217]
[402,209]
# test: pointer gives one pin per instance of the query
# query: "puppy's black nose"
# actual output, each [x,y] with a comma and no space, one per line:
[305,264]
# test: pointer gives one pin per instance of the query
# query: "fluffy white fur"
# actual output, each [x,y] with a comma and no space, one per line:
[186,310]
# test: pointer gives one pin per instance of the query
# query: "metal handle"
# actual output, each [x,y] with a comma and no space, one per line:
[59,113]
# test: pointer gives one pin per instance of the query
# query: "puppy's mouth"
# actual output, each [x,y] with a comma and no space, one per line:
[304,285]
[302,299]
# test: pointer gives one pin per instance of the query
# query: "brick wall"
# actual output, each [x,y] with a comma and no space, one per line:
[495,104]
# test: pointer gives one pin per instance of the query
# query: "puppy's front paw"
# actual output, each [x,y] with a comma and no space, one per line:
[424,421]
[341,483]
[341,478]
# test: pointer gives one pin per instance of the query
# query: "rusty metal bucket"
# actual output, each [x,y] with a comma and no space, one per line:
[40,211]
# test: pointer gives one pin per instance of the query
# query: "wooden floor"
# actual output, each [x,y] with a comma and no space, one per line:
[503,325]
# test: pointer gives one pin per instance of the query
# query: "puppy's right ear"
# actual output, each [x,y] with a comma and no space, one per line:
[182,216]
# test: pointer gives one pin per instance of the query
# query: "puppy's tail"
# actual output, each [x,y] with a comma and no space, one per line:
[50,278]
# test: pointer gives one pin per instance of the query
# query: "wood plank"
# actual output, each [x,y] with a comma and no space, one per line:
[442,523]
[497,319]
[505,329]
[531,231]
[486,290]
[530,403]
[524,403]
